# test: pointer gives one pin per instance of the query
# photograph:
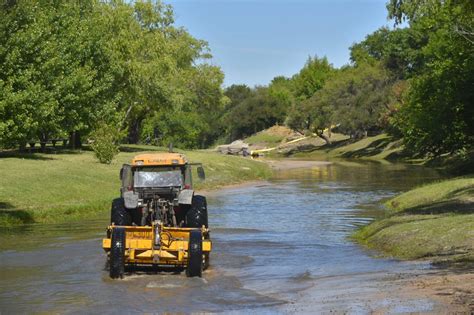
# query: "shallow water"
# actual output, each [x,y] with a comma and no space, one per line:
[276,244]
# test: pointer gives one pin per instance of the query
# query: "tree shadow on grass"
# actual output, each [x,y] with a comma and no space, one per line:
[37,154]
[460,201]
[468,191]
[26,156]
[337,144]
[374,148]
[8,213]
[451,206]
[399,155]
[125,148]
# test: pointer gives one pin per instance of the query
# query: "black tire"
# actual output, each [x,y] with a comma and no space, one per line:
[117,253]
[196,216]
[195,263]
[119,215]
[206,261]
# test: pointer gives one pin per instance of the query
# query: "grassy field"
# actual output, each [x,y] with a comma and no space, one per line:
[73,185]
[380,147]
[435,221]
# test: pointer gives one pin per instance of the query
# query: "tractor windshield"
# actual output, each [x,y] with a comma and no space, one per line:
[157,178]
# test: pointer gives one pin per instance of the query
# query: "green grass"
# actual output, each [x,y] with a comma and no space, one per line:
[435,221]
[459,191]
[266,139]
[380,147]
[69,186]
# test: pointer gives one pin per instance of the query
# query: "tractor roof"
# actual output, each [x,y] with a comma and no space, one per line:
[159,159]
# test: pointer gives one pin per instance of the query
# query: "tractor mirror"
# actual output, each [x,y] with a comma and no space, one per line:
[201,174]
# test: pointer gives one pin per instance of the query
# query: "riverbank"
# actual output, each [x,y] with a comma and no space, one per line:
[70,186]
[434,222]
[382,148]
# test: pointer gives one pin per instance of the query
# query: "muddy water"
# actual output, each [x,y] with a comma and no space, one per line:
[280,246]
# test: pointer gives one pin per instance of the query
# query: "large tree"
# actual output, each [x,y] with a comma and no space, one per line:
[52,78]
[438,113]
[311,77]
[67,66]
[398,49]
[355,98]
[252,112]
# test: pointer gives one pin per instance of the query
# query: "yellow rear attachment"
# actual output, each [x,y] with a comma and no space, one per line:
[158,245]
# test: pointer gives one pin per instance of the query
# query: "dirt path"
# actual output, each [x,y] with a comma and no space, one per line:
[452,290]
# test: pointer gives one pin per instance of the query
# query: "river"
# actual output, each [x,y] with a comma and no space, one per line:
[280,246]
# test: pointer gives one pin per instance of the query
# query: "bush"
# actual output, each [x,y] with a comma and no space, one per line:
[105,143]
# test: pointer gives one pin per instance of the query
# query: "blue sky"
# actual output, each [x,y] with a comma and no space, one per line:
[255,40]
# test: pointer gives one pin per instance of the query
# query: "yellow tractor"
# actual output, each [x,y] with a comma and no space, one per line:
[158,220]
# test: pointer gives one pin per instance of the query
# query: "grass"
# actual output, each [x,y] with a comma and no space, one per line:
[270,137]
[73,185]
[266,139]
[380,147]
[435,221]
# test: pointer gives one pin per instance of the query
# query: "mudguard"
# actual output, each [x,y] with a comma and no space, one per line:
[186,196]
[130,199]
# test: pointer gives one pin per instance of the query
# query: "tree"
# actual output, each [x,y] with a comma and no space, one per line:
[65,66]
[355,98]
[193,122]
[50,81]
[255,112]
[361,97]
[311,77]
[437,116]
[397,49]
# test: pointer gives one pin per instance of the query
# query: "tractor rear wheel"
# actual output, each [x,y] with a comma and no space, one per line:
[117,253]
[195,263]
[119,215]
[196,216]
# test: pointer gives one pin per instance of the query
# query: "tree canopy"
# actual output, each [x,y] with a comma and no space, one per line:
[438,114]
[67,66]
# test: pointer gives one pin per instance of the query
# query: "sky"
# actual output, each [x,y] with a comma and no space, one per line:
[254,41]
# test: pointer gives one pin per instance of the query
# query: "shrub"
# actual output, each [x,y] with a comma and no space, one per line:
[105,143]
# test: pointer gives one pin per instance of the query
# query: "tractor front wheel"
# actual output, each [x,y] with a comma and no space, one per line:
[117,253]
[195,263]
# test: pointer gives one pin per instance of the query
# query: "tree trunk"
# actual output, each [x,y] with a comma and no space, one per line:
[324,137]
[22,147]
[43,137]
[134,131]
[75,140]
[122,125]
